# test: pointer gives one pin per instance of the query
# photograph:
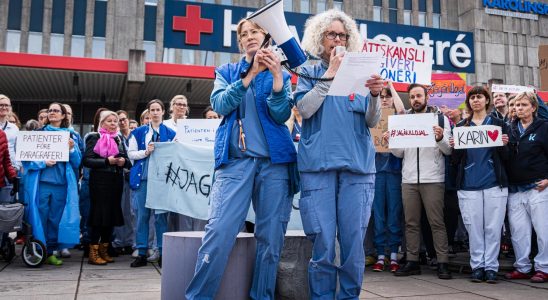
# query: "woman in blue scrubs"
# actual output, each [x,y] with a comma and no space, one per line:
[254,154]
[336,159]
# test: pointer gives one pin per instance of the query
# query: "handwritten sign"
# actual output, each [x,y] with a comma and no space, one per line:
[197,131]
[543,66]
[447,90]
[412,131]
[477,136]
[42,145]
[380,145]
[402,63]
[512,89]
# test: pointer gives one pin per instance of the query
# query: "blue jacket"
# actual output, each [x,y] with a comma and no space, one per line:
[140,133]
[69,226]
[336,137]
[273,109]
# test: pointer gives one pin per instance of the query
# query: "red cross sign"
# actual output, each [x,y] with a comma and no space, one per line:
[193,24]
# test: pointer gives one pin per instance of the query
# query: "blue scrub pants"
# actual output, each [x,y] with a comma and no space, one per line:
[336,204]
[236,184]
[387,211]
[143,217]
[52,201]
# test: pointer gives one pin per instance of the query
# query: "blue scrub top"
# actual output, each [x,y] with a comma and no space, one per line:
[479,172]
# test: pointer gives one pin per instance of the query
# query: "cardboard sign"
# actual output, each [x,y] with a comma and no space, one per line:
[42,145]
[380,145]
[197,131]
[403,63]
[512,89]
[412,131]
[477,136]
[543,66]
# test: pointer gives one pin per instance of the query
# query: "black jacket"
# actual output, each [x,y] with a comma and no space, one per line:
[97,163]
[499,157]
[528,161]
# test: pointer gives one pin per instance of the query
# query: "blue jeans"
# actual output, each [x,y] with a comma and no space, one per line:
[143,216]
[237,184]
[387,212]
[52,201]
[336,204]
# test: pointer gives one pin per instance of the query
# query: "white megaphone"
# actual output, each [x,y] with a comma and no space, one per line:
[271,17]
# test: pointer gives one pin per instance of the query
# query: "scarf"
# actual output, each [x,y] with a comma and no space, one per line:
[106,145]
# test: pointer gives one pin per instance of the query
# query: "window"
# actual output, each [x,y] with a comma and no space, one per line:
[78,45]
[13,41]
[188,57]
[377,3]
[288,5]
[151,2]
[436,20]
[338,4]
[422,5]
[408,4]
[305,6]
[436,6]
[407,17]
[169,55]
[422,19]
[35,43]
[393,11]
[320,6]
[98,47]
[226,2]
[224,58]
[56,44]
[207,58]
[377,14]
[150,50]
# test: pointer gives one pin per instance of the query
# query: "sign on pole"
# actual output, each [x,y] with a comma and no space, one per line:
[380,145]
[197,131]
[42,145]
[403,63]
[412,130]
[477,136]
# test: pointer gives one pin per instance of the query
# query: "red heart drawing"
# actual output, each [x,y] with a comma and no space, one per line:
[493,134]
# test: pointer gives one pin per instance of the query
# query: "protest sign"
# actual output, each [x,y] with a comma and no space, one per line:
[403,63]
[380,145]
[412,130]
[477,136]
[512,89]
[197,131]
[42,145]
[543,66]
[180,176]
[447,90]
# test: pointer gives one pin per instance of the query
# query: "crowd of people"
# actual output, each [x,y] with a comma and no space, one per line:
[410,200]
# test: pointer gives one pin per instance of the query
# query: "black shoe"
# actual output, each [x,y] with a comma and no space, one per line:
[140,261]
[491,276]
[128,250]
[112,252]
[478,275]
[160,261]
[403,260]
[423,259]
[410,268]
[443,271]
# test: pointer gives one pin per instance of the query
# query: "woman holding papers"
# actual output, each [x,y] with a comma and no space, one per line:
[336,159]
[141,146]
[106,156]
[254,163]
[482,188]
[528,198]
[54,187]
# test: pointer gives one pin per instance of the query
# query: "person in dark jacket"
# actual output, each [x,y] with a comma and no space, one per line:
[106,157]
[528,192]
[482,188]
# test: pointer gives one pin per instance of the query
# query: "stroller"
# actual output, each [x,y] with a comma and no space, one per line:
[12,214]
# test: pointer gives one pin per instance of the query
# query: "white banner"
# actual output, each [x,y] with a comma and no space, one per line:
[179,176]
[197,131]
[403,63]
[477,136]
[412,130]
[42,145]
[512,89]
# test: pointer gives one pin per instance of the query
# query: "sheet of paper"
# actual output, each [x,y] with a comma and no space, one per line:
[477,136]
[355,69]
[412,131]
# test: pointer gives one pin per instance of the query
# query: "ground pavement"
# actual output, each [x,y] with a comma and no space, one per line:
[78,280]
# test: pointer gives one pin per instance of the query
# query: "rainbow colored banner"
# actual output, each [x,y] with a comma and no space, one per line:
[448,89]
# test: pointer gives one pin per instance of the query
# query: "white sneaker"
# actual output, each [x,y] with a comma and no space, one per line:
[65,253]
[135,253]
[154,257]
[56,253]
[150,252]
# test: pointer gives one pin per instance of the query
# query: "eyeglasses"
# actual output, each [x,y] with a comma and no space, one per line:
[122,119]
[333,35]
[180,104]
[4,105]
[52,110]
